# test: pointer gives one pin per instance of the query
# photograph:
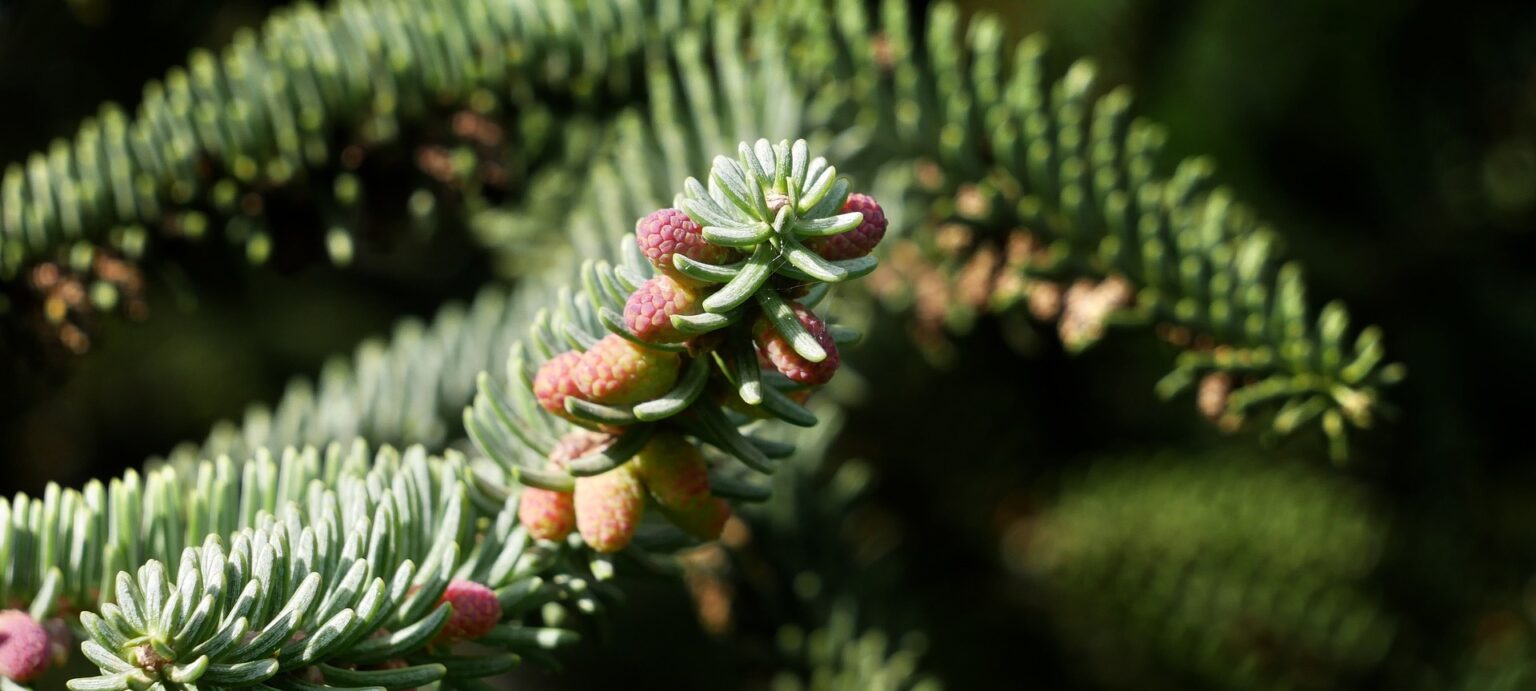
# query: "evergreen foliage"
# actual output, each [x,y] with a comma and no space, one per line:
[985,131]
[336,571]
[321,541]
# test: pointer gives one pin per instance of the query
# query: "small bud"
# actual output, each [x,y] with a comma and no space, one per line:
[24,649]
[1044,299]
[776,201]
[677,476]
[859,241]
[618,372]
[773,347]
[1211,399]
[555,382]
[609,507]
[1087,305]
[1212,396]
[551,515]
[649,310]
[147,658]
[668,232]
[476,610]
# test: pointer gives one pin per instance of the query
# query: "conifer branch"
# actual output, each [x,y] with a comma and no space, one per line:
[994,139]
[311,571]
[306,564]
[270,110]
[695,333]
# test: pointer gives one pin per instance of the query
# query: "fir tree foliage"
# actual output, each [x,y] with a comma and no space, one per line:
[840,656]
[987,134]
[763,204]
[326,562]
[330,569]
[232,564]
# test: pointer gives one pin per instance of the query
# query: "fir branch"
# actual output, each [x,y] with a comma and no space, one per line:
[271,108]
[1010,146]
[285,566]
[647,351]
[995,141]
[403,390]
[998,141]
[840,656]
[323,555]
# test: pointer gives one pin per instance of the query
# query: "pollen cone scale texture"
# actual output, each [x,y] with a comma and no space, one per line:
[676,474]
[23,646]
[674,349]
[550,514]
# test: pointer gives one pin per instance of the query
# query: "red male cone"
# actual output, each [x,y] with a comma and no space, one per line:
[609,507]
[476,611]
[773,347]
[859,241]
[23,646]
[669,232]
[648,312]
[618,372]
[551,515]
[555,382]
[677,476]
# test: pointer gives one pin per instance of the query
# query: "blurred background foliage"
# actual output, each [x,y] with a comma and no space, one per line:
[1040,520]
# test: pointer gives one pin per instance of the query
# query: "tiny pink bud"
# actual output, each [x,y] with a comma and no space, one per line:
[677,476]
[649,310]
[551,515]
[609,507]
[23,646]
[859,241]
[773,347]
[618,372]
[476,611]
[555,381]
[668,232]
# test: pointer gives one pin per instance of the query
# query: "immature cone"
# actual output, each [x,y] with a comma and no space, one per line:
[773,347]
[677,477]
[668,232]
[551,515]
[476,611]
[609,507]
[648,312]
[618,372]
[23,646]
[859,241]
[556,381]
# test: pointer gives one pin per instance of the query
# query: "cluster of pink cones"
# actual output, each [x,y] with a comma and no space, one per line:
[671,472]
